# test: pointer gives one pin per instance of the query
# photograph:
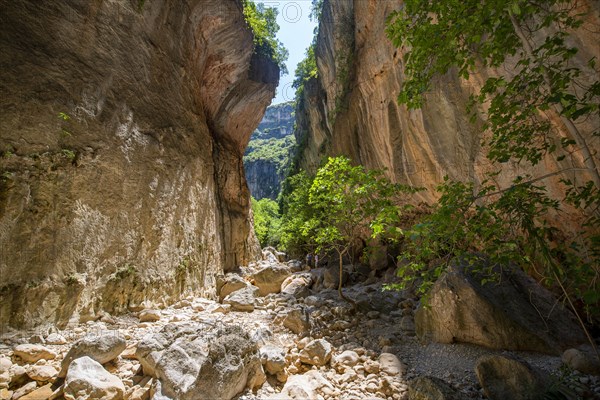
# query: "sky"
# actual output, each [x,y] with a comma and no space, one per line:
[296,33]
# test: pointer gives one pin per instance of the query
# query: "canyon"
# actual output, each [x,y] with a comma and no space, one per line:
[132,136]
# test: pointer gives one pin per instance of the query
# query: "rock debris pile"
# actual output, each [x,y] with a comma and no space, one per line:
[278,332]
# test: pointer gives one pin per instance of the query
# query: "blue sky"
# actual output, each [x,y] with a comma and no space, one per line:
[296,33]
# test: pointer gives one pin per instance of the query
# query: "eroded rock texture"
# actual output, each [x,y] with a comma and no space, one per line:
[122,129]
[351,108]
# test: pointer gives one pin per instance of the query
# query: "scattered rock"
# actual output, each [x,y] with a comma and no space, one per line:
[347,358]
[56,338]
[503,378]
[269,279]
[582,360]
[198,361]
[31,353]
[23,390]
[101,348]
[242,299]
[43,393]
[317,352]
[228,284]
[390,364]
[87,379]
[500,315]
[296,321]
[297,285]
[42,373]
[331,277]
[431,388]
[149,315]
[304,387]
[273,359]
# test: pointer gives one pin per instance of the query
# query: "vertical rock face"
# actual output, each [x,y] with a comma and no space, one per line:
[122,129]
[267,157]
[351,107]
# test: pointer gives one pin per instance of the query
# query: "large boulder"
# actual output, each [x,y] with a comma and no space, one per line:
[31,353]
[583,360]
[229,283]
[268,279]
[242,299]
[316,352]
[296,320]
[514,313]
[508,378]
[331,276]
[199,361]
[297,285]
[431,388]
[87,379]
[101,348]
[273,358]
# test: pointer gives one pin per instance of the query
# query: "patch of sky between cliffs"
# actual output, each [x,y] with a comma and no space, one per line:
[296,33]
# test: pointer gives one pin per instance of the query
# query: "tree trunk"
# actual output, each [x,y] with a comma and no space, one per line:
[341,274]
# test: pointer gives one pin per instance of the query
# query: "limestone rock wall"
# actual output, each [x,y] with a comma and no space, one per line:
[351,107]
[122,129]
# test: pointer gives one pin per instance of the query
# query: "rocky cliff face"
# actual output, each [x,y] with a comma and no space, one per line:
[122,130]
[267,157]
[351,107]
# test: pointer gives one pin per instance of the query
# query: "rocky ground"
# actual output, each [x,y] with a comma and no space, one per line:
[290,337]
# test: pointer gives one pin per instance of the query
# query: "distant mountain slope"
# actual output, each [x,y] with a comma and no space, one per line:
[268,153]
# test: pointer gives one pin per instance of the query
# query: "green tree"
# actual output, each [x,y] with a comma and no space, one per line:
[343,205]
[267,221]
[263,21]
[545,106]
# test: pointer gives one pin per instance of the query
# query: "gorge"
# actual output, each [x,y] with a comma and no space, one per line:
[132,136]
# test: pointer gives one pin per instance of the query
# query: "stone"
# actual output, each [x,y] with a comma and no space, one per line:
[273,359]
[242,299]
[100,348]
[18,375]
[5,365]
[390,364]
[431,388]
[229,283]
[499,315]
[582,360]
[304,387]
[42,393]
[297,285]
[24,390]
[42,373]
[201,361]
[56,338]
[87,379]
[503,377]
[149,315]
[31,353]
[331,277]
[347,358]
[296,320]
[269,278]
[317,352]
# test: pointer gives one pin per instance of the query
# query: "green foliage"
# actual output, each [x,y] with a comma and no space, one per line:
[69,154]
[263,22]
[306,70]
[274,150]
[529,115]
[340,205]
[124,272]
[267,221]
[316,10]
